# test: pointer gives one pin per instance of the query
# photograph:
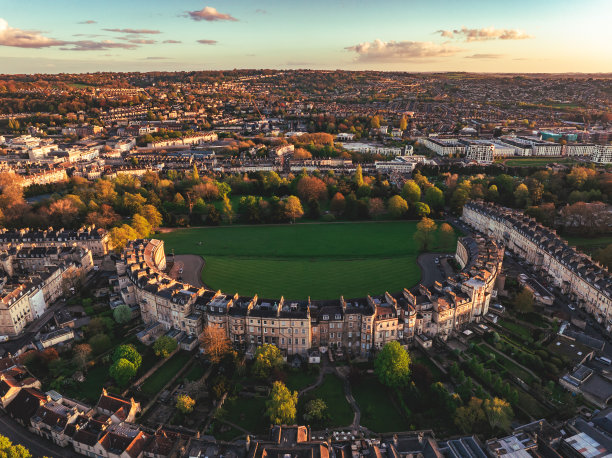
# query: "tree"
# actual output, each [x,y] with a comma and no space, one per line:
[226,209]
[267,358]
[100,343]
[141,226]
[359,177]
[434,197]
[311,188]
[122,371]
[293,208]
[469,416]
[421,209]
[301,154]
[411,192]
[521,193]
[376,207]
[120,236]
[185,404]
[375,122]
[337,204]
[447,235]
[8,450]
[523,302]
[392,365]
[195,175]
[425,233]
[215,343]
[498,413]
[403,123]
[316,411]
[492,193]
[281,407]
[81,354]
[164,346]
[122,314]
[129,353]
[397,206]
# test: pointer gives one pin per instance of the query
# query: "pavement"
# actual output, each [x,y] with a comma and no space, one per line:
[430,271]
[38,446]
[192,266]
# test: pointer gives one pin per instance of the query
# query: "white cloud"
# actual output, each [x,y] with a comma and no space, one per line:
[208,13]
[398,51]
[10,36]
[484,56]
[207,42]
[133,31]
[485,34]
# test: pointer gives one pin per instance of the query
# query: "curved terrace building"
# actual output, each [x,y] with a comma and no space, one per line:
[584,281]
[357,325]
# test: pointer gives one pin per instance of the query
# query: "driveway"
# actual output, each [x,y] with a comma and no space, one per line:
[192,266]
[430,271]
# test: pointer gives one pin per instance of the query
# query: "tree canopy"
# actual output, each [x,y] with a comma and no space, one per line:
[392,365]
[281,407]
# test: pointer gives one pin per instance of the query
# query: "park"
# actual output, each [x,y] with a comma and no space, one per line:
[298,261]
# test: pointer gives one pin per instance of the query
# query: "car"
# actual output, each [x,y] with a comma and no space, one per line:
[571,307]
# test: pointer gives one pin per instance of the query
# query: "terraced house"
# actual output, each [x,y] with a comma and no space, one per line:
[360,326]
[579,277]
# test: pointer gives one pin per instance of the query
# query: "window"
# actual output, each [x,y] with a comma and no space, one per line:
[303,331]
[265,322]
[338,317]
[326,317]
[282,341]
[303,341]
[331,325]
[265,330]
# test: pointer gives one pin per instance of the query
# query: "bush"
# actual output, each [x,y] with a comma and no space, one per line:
[164,346]
[328,218]
[100,343]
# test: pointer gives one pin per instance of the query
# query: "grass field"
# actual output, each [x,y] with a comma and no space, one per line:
[589,244]
[164,374]
[331,392]
[323,261]
[537,161]
[377,411]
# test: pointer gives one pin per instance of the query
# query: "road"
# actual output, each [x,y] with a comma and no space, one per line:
[38,446]
[192,266]
[430,271]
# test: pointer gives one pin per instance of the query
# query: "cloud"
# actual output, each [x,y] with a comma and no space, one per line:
[18,38]
[484,56]
[88,45]
[171,41]
[88,22]
[397,51]
[209,13]
[260,11]
[485,34]
[293,63]
[207,42]
[155,58]
[133,31]
[142,42]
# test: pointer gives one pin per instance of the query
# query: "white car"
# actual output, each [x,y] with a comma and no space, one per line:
[571,307]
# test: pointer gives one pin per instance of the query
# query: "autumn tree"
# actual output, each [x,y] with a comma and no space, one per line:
[141,226]
[120,236]
[7,449]
[397,206]
[281,407]
[164,346]
[468,417]
[375,122]
[403,124]
[447,235]
[292,208]
[316,412]
[185,404]
[376,207]
[81,354]
[392,365]
[226,209]
[215,343]
[424,234]
[359,177]
[337,204]
[498,413]
[521,194]
[311,188]
[301,154]
[421,209]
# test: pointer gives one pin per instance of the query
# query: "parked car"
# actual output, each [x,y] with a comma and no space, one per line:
[571,307]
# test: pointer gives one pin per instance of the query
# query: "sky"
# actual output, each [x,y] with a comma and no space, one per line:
[510,36]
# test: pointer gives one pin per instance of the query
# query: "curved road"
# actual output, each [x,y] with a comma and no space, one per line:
[192,266]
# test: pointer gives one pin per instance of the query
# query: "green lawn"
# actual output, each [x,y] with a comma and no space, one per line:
[298,380]
[161,376]
[247,412]
[378,413]
[589,244]
[91,389]
[321,261]
[517,329]
[538,161]
[331,392]
[196,372]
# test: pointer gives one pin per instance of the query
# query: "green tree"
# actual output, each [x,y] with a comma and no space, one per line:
[492,193]
[141,226]
[267,358]
[397,206]
[122,314]
[185,404]
[392,365]
[523,302]
[129,353]
[150,213]
[100,343]
[411,192]
[421,209]
[316,411]
[281,407]
[424,234]
[521,194]
[434,197]
[8,450]
[122,371]
[164,346]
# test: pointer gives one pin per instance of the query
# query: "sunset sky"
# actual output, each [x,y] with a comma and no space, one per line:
[433,35]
